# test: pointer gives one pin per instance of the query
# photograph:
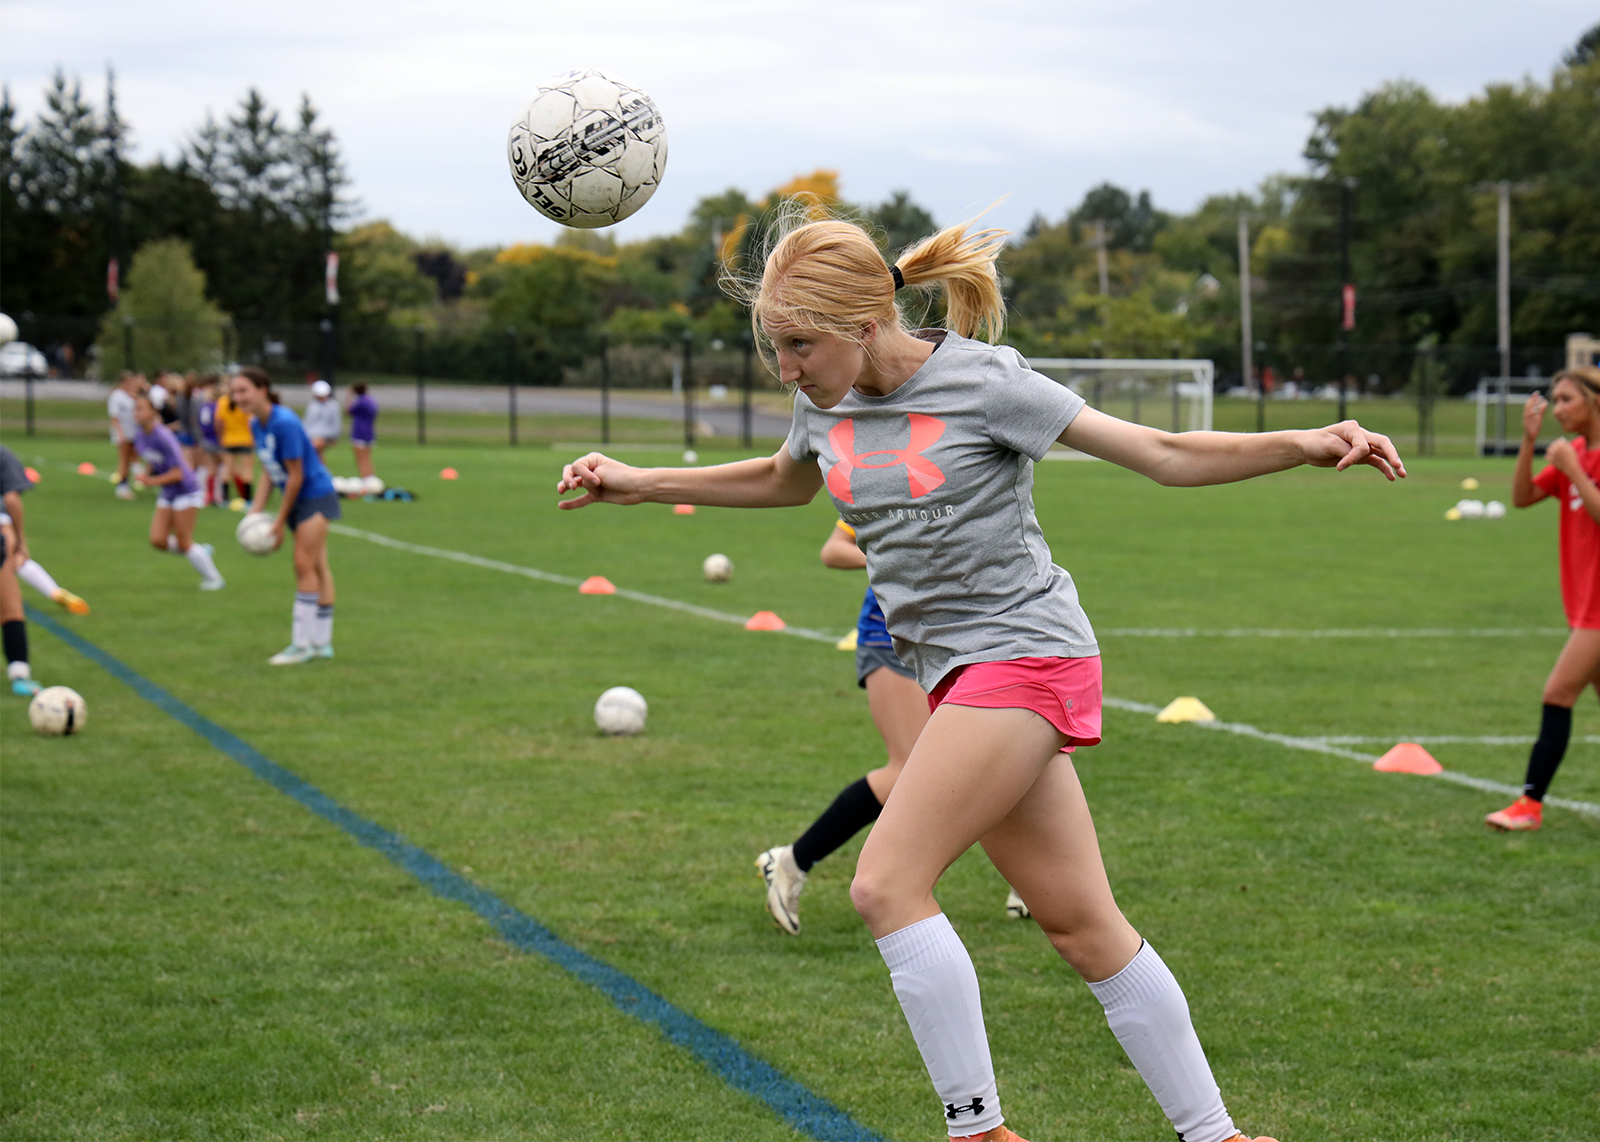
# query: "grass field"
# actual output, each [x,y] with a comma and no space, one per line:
[189,954]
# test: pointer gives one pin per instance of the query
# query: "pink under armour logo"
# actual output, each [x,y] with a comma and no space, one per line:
[923,474]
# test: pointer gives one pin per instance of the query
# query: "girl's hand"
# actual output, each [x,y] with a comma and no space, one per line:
[1533,415]
[602,480]
[1345,444]
[143,480]
[277,533]
[1561,453]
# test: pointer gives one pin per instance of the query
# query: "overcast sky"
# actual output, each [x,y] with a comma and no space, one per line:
[959,103]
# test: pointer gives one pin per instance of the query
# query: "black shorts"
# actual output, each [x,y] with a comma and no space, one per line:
[303,510]
[240,450]
[871,658]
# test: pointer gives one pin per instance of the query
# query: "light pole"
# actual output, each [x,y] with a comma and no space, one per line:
[1347,289]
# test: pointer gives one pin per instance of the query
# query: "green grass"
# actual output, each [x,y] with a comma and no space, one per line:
[188,954]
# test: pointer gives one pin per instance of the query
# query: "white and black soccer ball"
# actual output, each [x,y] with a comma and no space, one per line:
[621,711]
[717,568]
[588,150]
[254,533]
[57,710]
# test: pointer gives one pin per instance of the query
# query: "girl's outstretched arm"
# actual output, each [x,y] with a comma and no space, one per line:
[1192,459]
[774,481]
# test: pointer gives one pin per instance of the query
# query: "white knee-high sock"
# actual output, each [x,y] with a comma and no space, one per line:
[1150,1018]
[322,626]
[938,991]
[305,615]
[38,578]
[200,559]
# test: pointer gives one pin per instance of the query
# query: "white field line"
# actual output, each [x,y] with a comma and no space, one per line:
[1441,739]
[1308,744]
[1355,632]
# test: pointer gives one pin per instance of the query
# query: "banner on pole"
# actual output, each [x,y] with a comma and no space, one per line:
[333,278]
[1349,307]
[113,281]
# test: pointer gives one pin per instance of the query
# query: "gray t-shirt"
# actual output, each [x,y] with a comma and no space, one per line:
[322,419]
[937,480]
[119,406]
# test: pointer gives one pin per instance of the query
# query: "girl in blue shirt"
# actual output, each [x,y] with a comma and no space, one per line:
[307,505]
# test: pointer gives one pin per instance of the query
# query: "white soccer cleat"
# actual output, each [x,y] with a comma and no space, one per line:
[213,584]
[1015,908]
[784,882]
[292,655]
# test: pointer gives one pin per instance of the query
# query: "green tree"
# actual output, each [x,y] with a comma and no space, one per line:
[900,222]
[174,326]
[379,277]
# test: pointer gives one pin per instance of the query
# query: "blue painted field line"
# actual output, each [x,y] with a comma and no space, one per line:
[809,1113]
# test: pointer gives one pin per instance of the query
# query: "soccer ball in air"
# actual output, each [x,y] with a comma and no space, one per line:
[621,710]
[254,533]
[57,710]
[588,150]
[717,568]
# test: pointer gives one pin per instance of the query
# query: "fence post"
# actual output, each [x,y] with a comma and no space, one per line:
[511,379]
[328,349]
[688,388]
[422,401]
[749,342]
[605,389]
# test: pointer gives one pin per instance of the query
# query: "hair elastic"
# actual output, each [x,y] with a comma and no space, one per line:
[899,278]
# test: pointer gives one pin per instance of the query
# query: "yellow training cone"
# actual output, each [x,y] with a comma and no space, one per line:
[1186,710]
[848,642]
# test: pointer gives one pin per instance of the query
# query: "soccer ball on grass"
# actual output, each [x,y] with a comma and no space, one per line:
[57,710]
[621,711]
[717,568]
[588,149]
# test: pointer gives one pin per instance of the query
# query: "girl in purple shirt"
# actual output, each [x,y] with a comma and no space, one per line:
[179,496]
[363,412]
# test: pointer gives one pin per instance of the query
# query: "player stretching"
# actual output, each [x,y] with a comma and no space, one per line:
[13,555]
[1570,477]
[14,479]
[926,444]
[308,505]
[180,496]
[899,711]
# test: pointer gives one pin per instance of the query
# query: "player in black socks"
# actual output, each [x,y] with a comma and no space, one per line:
[1570,478]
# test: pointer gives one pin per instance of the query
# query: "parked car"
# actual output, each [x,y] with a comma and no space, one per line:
[19,359]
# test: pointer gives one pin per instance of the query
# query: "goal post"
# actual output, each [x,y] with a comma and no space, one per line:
[1173,394]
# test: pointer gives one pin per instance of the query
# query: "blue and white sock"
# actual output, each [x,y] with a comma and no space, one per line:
[305,617]
[938,991]
[1150,1018]
[322,626]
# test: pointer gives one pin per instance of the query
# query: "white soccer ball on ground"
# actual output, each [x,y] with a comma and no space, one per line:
[254,533]
[717,568]
[621,711]
[57,710]
[1470,509]
[371,485]
[588,149]
[1494,509]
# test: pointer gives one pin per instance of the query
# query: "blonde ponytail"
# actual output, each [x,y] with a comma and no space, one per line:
[828,275]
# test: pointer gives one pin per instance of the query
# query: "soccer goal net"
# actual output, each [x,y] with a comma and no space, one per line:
[1170,394]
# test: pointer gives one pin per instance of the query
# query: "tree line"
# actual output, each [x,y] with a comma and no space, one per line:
[258,197]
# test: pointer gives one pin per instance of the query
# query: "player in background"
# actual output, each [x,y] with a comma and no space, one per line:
[363,412]
[926,444]
[119,407]
[238,445]
[213,460]
[1570,478]
[187,426]
[899,711]
[28,568]
[13,554]
[179,496]
[322,420]
[307,506]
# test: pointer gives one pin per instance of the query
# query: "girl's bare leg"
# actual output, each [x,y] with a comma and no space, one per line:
[899,711]
[1577,668]
[161,528]
[363,461]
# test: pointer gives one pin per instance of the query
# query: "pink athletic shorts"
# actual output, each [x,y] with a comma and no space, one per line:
[1063,691]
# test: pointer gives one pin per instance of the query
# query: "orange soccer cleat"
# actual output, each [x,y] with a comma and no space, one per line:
[1247,1138]
[1521,815]
[71,602]
[1000,1133]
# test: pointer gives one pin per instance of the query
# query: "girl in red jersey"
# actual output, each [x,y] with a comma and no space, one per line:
[925,441]
[1571,478]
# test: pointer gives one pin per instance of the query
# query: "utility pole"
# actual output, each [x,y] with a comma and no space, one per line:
[1100,255]
[1246,334]
[118,260]
[1347,289]
[1503,278]
[331,270]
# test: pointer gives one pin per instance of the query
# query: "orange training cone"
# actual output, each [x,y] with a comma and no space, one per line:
[1408,757]
[596,585]
[765,620]
[683,509]
[86,469]
[449,474]
[32,474]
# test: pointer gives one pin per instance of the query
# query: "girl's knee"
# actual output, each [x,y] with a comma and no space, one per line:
[869,895]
